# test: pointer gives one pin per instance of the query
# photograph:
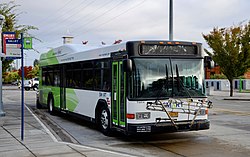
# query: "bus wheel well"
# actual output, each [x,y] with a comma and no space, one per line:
[101,103]
[102,118]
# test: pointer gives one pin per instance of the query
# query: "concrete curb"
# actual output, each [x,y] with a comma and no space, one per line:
[240,99]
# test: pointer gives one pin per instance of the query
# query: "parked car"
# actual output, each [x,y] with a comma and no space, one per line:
[31,84]
[16,83]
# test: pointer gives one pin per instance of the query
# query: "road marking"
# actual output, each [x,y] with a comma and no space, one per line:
[98,149]
[240,113]
[72,144]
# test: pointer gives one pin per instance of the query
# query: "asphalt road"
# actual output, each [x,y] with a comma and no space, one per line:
[229,135]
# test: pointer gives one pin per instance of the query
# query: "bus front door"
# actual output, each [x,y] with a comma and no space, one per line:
[118,103]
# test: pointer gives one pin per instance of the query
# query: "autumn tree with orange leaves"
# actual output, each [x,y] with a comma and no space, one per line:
[27,71]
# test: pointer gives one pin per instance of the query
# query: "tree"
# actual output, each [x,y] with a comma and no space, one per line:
[10,25]
[230,50]
[11,76]
[27,71]
[34,72]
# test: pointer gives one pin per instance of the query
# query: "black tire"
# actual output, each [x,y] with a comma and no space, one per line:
[38,105]
[104,121]
[50,105]
[27,89]
[35,87]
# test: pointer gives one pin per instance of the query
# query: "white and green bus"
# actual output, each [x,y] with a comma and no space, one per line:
[132,87]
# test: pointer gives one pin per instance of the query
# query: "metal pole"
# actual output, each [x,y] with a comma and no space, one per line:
[2,113]
[22,109]
[170,20]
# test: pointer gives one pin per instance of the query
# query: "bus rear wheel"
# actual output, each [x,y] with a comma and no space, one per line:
[38,105]
[104,121]
[51,109]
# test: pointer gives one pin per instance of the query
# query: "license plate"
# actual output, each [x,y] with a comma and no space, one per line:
[173,114]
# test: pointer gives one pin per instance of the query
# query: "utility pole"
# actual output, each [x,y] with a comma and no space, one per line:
[2,113]
[171,20]
[22,98]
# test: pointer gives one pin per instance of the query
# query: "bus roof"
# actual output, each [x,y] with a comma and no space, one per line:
[78,52]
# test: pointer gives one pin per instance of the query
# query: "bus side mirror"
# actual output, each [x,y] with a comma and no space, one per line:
[127,65]
[209,63]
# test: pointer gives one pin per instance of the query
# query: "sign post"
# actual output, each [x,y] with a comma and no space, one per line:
[13,48]
[22,119]
[2,113]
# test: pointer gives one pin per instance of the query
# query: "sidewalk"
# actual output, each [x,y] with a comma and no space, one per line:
[38,140]
[225,95]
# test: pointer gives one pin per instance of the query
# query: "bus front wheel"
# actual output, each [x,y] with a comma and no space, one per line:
[104,121]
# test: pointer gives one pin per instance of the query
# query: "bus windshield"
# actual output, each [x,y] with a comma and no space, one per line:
[163,78]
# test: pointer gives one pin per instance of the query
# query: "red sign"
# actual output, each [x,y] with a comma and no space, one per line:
[7,35]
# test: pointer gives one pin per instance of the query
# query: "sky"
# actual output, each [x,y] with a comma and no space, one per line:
[99,21]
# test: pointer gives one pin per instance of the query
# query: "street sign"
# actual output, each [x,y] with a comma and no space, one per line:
[7,35]
[13,41]
[27,42]
[13,48]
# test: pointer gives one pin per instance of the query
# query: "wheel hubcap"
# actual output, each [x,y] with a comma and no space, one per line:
[50,106]
[104,119]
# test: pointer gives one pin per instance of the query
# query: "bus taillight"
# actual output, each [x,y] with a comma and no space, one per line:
[130,116]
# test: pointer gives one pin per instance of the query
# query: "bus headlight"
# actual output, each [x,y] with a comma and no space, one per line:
[142,115]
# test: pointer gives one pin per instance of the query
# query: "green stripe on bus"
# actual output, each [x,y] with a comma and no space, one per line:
[48,58]
[119,91]
[114,118]
[56,95]
[124,101]
[71,100]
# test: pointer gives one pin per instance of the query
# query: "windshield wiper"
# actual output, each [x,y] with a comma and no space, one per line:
[179,82]
[163,86]
[171,67]
[178,78]
[166,84]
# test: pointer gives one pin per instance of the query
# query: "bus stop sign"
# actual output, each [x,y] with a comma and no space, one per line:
[27,42]
[13,48]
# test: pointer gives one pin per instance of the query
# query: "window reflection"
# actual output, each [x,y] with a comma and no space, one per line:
[155,78]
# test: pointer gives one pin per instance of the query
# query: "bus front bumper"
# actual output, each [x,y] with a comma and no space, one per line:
[168,127]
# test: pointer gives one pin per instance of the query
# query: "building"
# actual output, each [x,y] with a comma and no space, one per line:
[216,70]
[211,71]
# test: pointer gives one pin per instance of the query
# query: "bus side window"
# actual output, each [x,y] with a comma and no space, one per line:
[44,76]
[106,86]
[88,79]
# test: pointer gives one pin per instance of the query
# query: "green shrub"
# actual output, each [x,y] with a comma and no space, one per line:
[218,76]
